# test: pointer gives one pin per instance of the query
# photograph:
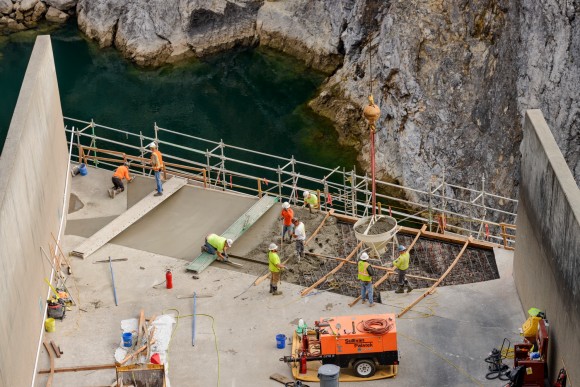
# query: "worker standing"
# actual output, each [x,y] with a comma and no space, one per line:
[402,264]
[122,172]
[275,267]
[215,244]
[286,216]
[299,236]
[157,165]
[310,201]
[365,275]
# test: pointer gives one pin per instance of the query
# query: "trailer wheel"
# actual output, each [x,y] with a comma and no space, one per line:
[364,368]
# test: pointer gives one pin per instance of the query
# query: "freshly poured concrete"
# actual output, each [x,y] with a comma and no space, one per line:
[443,341]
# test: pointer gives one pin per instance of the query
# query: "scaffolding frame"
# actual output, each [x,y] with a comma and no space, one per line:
[442,205]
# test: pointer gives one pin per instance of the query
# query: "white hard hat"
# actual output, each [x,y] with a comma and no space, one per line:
[305,193]
[363,257]
[286,205]
[152,145]
[229,242]
[402,248]
[272,247]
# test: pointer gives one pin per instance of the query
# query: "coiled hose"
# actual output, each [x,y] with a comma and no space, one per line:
[375,326]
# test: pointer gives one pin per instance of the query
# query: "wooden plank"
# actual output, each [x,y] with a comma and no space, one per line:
[432,288]
[386,276]
[127,218]
[262,278]
[457,239]
[281,378]
[47,347]
[141,327]
[138,351]
[79,368]
[55,348]
[244,222]
[337,268]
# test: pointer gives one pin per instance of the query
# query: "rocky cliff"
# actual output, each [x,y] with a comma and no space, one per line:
[452,77]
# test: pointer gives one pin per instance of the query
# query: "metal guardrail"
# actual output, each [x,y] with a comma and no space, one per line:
[441,206]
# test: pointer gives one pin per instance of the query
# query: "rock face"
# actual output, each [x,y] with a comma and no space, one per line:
[152,32]
[19,15]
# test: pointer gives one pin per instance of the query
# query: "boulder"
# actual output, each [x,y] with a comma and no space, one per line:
[18,16]
[6,7]
[98,19]
[39,11]
[56,16]
[27,5]
[63,5]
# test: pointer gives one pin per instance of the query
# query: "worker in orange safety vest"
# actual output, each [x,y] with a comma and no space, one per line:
[122,172]
[157,165]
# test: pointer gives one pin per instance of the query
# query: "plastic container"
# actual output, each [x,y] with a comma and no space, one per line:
[83,169]
[127,339]
[50,325]
[328,375]
[280,341]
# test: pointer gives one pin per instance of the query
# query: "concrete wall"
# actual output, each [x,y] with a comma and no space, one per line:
[547,255]
[33,175]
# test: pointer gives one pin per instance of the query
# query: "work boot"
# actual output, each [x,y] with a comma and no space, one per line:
[204,249]
[364,301]
[400,289]
[409,288]
[110,193]
[158,194]
[276,292]
[371,305]
[114,193]
[271,288]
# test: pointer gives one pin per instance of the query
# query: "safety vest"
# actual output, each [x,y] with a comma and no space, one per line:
[312,200]
[402,263]
[217,242]
[122,172]
[287,214]
[363,273]
[273,260]
[159,164]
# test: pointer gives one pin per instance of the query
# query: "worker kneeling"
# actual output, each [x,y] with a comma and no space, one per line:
[215,244]
[122,172]
[275,268]
[310,201]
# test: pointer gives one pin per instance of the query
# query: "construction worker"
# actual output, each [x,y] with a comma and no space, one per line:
[299,235]
[286,216]
[402,264]
[275,267]
[122,172]
[215,244]
[157,165]
[310,201]
[365,275]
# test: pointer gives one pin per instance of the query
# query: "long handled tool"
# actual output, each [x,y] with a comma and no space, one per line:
[113,279]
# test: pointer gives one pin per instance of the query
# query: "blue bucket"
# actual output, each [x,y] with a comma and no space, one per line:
[280,341]
[83,169]
[127,340]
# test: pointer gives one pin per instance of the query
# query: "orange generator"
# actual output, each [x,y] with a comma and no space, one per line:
[360,342]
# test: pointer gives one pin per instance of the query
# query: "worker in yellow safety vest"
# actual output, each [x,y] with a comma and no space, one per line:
[157,166]
[215,244]
[310,201]
[365,275]
[275,267]
[402,264]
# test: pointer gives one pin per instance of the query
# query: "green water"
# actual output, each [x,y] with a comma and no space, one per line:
[253,98]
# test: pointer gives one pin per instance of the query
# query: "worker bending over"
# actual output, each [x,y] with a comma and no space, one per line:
[286,216]
[215,244]
[402,264]
[122,172]
[275,267]
[310,201]
[157,166]
[365,275]
[299,235]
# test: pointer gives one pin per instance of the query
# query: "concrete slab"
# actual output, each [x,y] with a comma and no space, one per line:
[443,341]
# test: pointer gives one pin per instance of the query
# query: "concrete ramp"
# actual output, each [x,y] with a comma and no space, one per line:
[244,222]
[127,218]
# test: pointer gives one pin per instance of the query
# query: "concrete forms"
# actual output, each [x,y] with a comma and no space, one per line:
[34,173]
[547,256]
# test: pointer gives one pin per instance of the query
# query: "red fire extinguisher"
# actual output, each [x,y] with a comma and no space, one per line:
[169,279]
[303,367]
